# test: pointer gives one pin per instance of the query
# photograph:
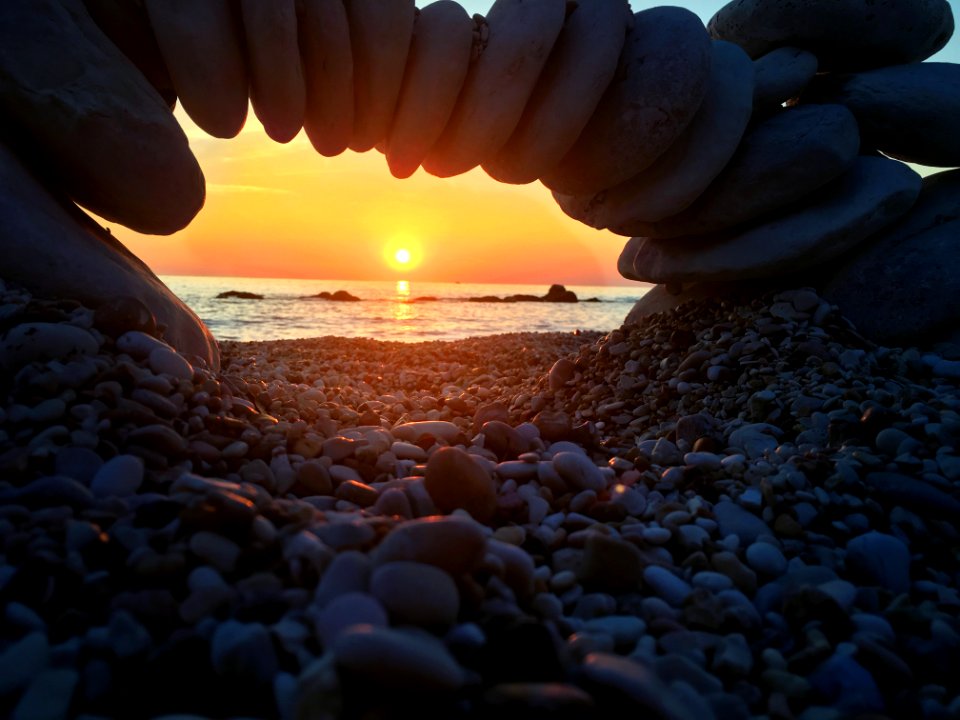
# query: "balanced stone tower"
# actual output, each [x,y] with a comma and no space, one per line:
[769,146]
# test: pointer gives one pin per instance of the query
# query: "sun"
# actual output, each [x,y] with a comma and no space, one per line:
[403,253]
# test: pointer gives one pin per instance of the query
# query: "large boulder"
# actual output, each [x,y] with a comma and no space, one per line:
[902,287]
[845,35]
[662,79]
[52,249]
[683,172]
[871,195]
[83,114]
[781,161]
[909,112]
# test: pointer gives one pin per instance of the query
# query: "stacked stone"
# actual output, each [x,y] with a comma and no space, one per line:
[639,123]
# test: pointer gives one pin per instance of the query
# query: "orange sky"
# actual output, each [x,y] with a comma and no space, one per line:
[284,211]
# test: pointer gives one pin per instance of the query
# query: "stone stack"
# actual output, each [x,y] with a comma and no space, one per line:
[720,150]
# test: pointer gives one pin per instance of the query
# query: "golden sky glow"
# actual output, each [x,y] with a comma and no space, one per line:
[284,211]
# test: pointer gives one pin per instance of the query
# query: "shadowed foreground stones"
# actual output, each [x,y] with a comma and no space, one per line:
[91,121]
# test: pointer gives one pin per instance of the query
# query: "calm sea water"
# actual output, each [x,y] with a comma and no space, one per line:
[390,310]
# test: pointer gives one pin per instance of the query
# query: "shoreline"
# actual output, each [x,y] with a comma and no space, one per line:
[729,510]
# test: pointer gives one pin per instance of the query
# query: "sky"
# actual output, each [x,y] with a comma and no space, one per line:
[277,210]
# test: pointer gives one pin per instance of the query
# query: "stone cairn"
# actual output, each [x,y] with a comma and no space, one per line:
[758,147]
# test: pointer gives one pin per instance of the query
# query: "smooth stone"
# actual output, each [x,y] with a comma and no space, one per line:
[871,195]
[243,651]
[907,112]
[781,75]
[518,568]
[348,572]
[23,660]
[667,585]
[782,160]
[49,696]
[915,495]
[454,544]
[416,594]
[120,476]
[54,250]
[503,440]
[922,247]
[848,686]
[413,431]
[380,33]
[624,629]
[766,559]
[395,659]
[455,480]
[128,27]
[166,361]
[610,564]
[679,176]
[579,471]
[662,79]
[734,520]
[844,36]
[221,552]
[436,68]
[348,610]
[39,342]
[201,45]
[277,88]
[103,133]
[880,559]
[328,75]
[582,64]
[519,38]
[636,681]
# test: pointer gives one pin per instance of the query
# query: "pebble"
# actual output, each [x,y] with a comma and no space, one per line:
[416,594]
[120,476]
[49,695]
[734,520]
[455,480]
[22,661]
[243,651]
[667,585]
[766,559]
[347,610]
[578,471]
[454,544]
[880,559]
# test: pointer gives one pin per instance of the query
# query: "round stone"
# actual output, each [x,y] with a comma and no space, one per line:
[416,594]
[455,480]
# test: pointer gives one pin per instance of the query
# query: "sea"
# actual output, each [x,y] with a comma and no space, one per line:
[401,310]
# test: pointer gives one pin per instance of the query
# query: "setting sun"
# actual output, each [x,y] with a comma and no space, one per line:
[403,252]
[402,256]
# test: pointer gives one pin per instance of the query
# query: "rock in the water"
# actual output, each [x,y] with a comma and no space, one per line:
[580,68]
[395,659]
[380,35]
[436,68]
[683,172]
[201,44]
[277,88]
[328,75]
[520,36]
[781,75]
[416,594]
[455,480]
[56,250]
[880,559]
[870,196]
[919,257]
[908,111]
[663,75]
[781,161]
[239,295]
[92,119]
[844,35]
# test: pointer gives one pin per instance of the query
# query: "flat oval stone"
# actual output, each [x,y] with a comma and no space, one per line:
[120,476]
[380,32]
[396,659]
[781,161]
[850,35]
[328,75]
[413,431]
[416,594]
[276,72]
[781,75]
[454,544]
[346,611]
[38,341]
[201,44]
[662,79]
[498,84]
[109,139]
[922,247]
[579,471]
[908,112]
[436,68]
[568,90]
[871,195]
[683,172]
[455,480]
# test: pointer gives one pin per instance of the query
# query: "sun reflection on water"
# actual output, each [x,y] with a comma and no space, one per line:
[404,311]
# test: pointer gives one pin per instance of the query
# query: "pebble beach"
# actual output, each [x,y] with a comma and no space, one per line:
[736,509]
